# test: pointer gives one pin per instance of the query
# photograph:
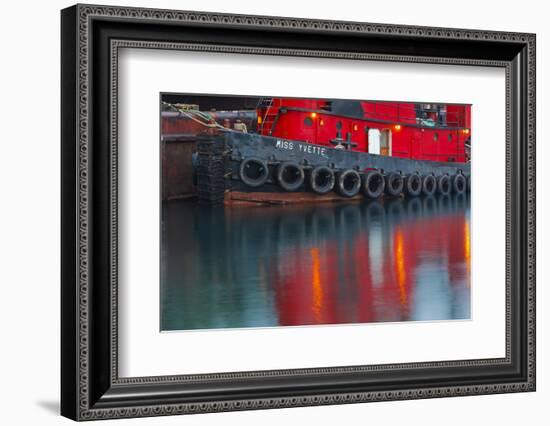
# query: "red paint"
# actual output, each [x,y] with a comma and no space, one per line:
[313,121]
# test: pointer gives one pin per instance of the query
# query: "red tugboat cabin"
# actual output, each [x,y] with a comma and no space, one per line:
[419,131]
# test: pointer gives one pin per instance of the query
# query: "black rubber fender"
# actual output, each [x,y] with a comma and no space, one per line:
[444,185]
[290,175]
[413,185]
[459,183]
[394,184]
[429,185]
[322,179]
[373,184]
[253,172]
[348,183]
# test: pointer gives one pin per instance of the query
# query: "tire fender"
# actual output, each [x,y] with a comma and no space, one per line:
[348,183]
[413,185]
[373,184]
[394,184]
[322,171]
[253,172]
[290,175]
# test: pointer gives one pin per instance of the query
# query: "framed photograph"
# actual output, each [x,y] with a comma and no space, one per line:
[263,212]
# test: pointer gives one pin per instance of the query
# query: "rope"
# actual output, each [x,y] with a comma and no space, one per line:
[202,123]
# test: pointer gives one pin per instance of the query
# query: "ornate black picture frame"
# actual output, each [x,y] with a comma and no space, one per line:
[91,387]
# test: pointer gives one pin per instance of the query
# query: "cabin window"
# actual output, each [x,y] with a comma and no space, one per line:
[308,121]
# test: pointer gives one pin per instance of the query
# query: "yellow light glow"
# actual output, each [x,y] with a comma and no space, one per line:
[321,122]
[400,271]
[259,119]
[466,131]
[397,127]
[313,114]
[467,256]
[316,283]
[355,127]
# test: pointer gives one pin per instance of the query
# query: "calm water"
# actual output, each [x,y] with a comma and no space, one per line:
[334,263]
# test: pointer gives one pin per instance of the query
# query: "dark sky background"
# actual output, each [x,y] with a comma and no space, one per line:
[208,102]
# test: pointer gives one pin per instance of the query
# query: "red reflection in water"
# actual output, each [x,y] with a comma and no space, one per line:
[397,260]
[343,282]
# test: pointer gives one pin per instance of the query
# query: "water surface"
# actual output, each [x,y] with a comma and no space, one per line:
[332,263]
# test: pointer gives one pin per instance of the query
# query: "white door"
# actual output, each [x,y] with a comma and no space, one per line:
[374,141]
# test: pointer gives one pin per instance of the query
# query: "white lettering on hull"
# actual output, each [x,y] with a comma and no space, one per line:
[305,148]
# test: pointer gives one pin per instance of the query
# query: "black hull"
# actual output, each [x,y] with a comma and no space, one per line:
[220,158]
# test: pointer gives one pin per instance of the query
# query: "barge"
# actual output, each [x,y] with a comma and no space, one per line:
[292,149]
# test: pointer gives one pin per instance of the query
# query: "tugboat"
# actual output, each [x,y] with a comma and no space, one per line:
[326,149]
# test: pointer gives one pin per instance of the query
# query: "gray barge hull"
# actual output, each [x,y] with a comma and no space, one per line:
[221,156]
